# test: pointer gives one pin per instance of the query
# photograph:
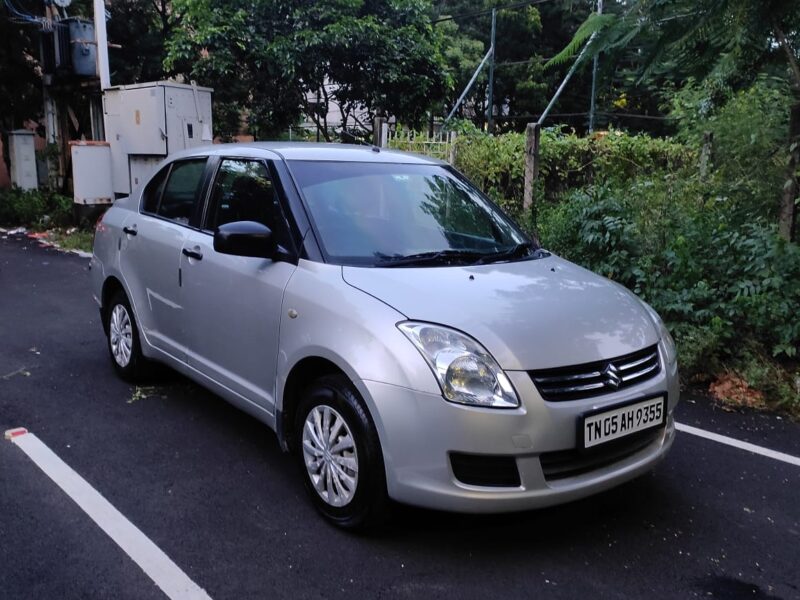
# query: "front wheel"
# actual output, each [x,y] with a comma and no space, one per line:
[340,455]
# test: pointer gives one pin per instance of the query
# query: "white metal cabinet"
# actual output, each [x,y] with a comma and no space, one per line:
[22,152]
[146,122]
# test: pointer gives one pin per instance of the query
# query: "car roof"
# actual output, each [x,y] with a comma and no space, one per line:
[310,151]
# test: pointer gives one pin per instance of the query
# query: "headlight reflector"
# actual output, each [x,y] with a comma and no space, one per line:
[465,370]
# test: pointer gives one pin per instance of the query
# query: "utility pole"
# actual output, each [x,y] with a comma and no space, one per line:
[491,71]
[52,119]
[594,77]
[102,44]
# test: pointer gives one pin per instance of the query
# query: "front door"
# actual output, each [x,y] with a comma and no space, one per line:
[233,303]
[150,252]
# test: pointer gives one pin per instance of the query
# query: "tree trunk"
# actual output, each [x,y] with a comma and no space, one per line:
[787,221]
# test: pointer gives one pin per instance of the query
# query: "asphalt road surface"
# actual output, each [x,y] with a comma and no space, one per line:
[209,486]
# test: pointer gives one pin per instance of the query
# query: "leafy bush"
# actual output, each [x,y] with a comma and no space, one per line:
[34,208]
[749,128]
[497,163]
[729,292]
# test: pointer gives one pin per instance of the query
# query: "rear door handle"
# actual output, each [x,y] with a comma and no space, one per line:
[192,254]
[130,230]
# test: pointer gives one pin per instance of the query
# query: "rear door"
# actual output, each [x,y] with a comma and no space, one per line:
[233,303]
[150,251]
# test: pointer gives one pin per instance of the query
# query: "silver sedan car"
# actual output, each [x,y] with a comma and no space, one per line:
[404,338]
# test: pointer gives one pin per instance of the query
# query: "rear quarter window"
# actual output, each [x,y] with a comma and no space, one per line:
[182,190]
[152,191]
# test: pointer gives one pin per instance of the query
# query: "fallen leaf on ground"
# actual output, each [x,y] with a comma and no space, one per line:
[729,388]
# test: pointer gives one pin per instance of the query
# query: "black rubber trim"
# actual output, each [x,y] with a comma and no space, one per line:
[485,470]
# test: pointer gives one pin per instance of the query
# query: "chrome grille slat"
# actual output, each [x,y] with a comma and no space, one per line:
[594,379]
[636,363]
[569,377]
[577,388]
[640,373]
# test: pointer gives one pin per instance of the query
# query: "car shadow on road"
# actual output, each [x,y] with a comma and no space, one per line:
[630,504]
[634,506]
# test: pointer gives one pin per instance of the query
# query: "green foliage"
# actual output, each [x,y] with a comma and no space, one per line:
[497,164]
[34,208]
[781,385]
[518,80]
[716,282]
[141,30]
[711,39]
[748,153]
[73,239]
[270,60]
[592,26]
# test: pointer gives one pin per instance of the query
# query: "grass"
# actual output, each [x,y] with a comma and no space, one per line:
[69,239]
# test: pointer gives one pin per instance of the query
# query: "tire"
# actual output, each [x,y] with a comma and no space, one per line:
[123,340]
[360,501]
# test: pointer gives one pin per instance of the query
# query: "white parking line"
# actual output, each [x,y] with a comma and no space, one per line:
[723,439]
[152,560]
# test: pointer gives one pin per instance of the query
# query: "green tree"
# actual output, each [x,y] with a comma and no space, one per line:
[518,85]
[268,59]
[728,41]
[141,29]
[20,83]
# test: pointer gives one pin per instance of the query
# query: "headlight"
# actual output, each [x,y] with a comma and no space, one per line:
[466,372]
[670,351]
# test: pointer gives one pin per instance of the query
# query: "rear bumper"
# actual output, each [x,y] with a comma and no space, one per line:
[419,432]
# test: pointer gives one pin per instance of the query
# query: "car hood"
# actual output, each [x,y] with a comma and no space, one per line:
[530,314]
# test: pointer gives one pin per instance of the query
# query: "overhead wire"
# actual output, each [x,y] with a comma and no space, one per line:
[488,11]
[26,18]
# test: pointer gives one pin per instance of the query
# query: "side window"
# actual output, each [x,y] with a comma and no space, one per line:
[152,191]
[182,190]
[243,191]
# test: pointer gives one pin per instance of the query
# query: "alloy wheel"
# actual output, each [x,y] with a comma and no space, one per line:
[121,335]
[330,455]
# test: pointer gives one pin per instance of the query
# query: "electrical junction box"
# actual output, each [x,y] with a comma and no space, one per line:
[22,153]
[91,172]
[147,122]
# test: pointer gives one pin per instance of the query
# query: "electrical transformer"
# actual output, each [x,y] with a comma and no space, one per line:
[146,122]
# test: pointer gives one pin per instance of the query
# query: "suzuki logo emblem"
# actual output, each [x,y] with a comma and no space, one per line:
[611,374]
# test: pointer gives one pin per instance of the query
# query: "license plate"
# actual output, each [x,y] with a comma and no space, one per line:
[618,422]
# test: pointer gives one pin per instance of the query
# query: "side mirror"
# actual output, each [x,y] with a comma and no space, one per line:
[245,238]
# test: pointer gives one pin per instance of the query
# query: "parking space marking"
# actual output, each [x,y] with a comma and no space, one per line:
[150,558]
[729,441]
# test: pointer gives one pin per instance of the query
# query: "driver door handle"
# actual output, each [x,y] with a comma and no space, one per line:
[192,254]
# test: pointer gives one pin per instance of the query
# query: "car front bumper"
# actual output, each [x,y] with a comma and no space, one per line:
[419,432]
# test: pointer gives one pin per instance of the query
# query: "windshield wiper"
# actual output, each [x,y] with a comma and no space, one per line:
[437,257]
[517,251]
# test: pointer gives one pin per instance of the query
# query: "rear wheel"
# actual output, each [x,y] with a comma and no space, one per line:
[123,339]
[340,455]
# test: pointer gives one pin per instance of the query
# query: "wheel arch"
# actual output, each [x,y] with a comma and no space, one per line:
[302,373]
[111,286]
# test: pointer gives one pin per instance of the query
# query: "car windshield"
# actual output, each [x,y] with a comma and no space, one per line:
[379,214]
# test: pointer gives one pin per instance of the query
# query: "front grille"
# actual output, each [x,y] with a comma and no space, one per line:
[485,470]
[570,463]
[597,378]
